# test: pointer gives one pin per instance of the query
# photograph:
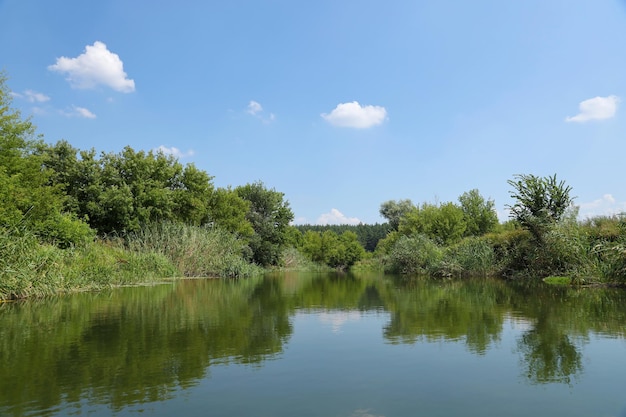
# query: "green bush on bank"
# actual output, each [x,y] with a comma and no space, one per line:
[472,256]
[30,267]
[194,251]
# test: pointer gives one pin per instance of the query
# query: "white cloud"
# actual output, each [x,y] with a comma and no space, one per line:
[356,116]
[79,112]
[607,205]
[83,112]
[336,217]
[97,65]
[174,151]
[254,108]
[32,96]
[597,108]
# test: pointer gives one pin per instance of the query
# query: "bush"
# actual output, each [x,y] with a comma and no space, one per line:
[415,254]
[472,256]
[195,251]
[65,230]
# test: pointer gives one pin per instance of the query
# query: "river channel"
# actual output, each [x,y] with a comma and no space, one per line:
[313,344]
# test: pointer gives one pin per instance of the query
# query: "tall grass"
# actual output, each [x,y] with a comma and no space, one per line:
[414,254]
[472,256]
[30,267]
[194,251]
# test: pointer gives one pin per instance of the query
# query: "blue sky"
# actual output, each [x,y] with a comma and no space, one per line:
[339,104]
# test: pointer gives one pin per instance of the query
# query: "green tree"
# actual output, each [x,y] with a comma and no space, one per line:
[269,214]
[479,214]
[539,202]
[119,192]
[444,223]
[192,195]
[229,211]
[329,248]
[350,251]
[27,198]
[394,210]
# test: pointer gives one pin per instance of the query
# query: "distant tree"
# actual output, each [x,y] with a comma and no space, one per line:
[479,214]
[368,234]
[337,251]
[444,223]
[393,211]
[539,202]
[350,251]
[269,215]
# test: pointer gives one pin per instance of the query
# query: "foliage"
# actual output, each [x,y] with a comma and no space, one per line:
[328,248]
[539,202]
[30,268]
[119,192]
[479,214]
[444,222]
[394,211]
[557,280]
[269,214]
[414,254]
[195,251]
[294,260]
[368,234]
[28,200]
[228,211]
[472,256]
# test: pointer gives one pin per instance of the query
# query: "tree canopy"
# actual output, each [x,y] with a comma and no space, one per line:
[269,214]
[539,201]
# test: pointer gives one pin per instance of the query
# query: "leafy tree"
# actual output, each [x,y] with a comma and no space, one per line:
[119,192]
[269,215]
[26,196]
[393,211]
[539,202]
[415,254]
[444,222]
[338,251]
[479,214]
[192,195]
[350,250]
[368,234]
[228,210]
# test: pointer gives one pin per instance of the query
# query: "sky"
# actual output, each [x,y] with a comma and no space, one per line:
[339,104]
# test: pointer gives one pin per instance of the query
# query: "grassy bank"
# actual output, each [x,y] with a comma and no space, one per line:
[29,267]
[585,252]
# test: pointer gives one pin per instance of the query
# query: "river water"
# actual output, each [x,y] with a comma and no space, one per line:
[310,344]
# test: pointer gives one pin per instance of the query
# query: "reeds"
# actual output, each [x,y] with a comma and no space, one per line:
[32,268]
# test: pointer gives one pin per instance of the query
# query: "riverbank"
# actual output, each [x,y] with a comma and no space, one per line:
[31,268]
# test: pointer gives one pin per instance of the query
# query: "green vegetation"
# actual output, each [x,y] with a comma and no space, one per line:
[543,237]
[74,219]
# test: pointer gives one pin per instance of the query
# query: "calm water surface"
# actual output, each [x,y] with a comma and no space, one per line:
[317,345]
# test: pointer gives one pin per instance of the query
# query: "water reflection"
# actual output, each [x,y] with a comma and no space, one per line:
[138,345]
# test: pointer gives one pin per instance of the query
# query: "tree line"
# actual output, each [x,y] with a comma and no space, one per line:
[56,198]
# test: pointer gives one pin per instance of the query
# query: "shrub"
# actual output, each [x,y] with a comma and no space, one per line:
[195,251]
[414,254]
[472,256]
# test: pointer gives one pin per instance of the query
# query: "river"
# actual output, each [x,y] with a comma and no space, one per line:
[314,344]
